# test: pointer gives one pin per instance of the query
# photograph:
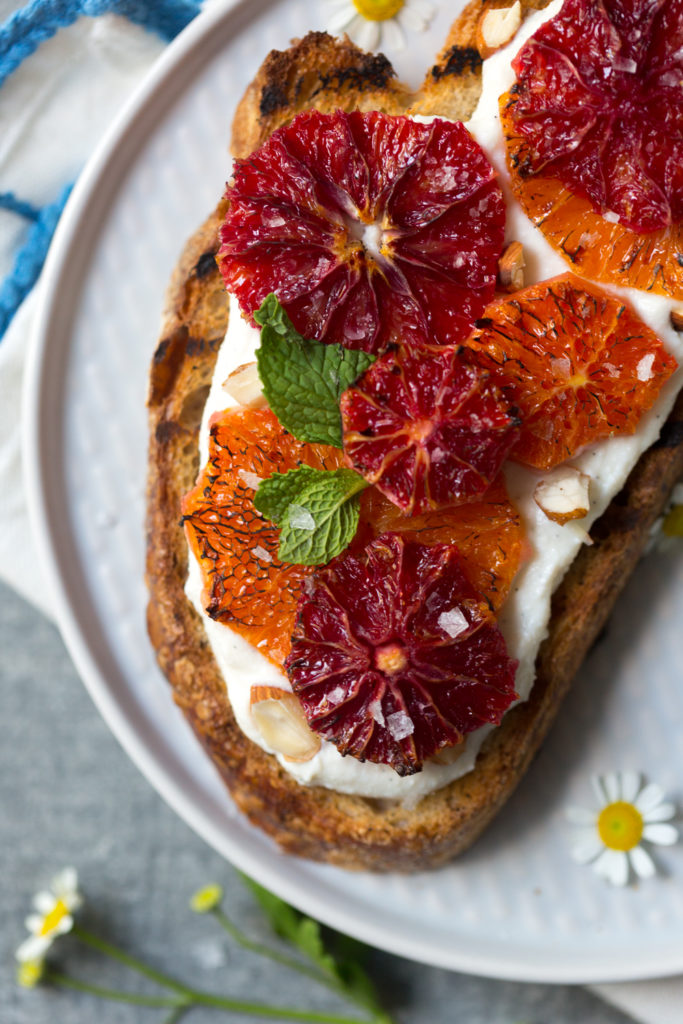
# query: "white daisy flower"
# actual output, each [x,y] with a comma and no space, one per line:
[371,22]
[55,907]
[627,815]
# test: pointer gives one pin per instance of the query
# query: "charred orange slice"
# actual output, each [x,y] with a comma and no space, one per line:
[488,534]
[395,655]
[365,226]
[426,428]
[594,136]
[244,584]
[578,363]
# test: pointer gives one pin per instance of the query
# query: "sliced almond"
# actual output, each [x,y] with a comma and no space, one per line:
[564,494]
[677,319]
[244,385]
[496,27]
[511,268]
[449,755]
[282,723]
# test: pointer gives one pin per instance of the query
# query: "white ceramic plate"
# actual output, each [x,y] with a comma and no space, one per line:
[515,906]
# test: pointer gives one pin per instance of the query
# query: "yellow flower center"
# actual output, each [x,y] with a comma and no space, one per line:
[620,826]
[52,919]
[378,10]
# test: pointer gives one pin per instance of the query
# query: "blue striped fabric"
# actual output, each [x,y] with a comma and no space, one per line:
[21,36]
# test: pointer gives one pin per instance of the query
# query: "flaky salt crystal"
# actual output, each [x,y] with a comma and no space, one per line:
[300,518]
[453,622]
[400,725]
[644,367]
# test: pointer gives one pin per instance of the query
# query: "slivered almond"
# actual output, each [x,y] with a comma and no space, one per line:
[449,755]
[564,494]
[282,723]
[677,319]
[511,268]
[244,385]
[496,27]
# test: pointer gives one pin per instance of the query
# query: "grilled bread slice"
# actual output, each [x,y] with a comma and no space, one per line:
[353,832]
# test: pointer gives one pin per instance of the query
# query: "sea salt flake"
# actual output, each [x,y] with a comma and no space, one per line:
[644,368]
[375,709]
[453,622]
[261,553]
[250,479]
[300,518]
[400,725]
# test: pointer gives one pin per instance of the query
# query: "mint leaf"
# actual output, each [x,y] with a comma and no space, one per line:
[303,379]
[317,511]
[279,491]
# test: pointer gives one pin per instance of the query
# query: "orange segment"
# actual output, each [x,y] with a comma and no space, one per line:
[578,363]
[245,584]
[595,247]
[488,534]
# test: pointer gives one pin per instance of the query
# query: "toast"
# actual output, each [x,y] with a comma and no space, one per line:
[351,831]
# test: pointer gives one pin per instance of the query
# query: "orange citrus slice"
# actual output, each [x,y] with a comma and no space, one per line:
[578,363]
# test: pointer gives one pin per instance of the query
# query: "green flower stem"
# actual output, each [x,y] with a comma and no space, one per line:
[314,973]
[66,981]
[194,998]
[272,954]
[130,961]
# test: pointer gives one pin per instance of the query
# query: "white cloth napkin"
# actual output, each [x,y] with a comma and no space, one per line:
[70,89]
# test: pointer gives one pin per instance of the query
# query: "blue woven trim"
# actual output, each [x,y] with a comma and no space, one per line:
[29,260]
[27,28]
[8,201]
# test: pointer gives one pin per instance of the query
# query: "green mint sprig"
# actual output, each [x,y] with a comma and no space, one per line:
[317,511]
[303,379]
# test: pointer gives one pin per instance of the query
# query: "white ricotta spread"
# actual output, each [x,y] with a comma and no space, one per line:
[524,617]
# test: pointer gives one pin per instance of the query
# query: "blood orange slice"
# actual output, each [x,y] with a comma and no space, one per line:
[426,429]
[594,132]
[578,363]
[364,226]
[245,584]
[395,655]
[488,534]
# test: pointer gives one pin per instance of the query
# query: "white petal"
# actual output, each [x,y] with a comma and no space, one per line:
[364,33]
[411,20]
[33,948]
[661,835]
[392,37]
[340,19]
[613,865]
[64,925]
[598,789]
[662,812]
[45,902]
[630,784]
[34,923]
[649,798]
[586,849]
[612,784]
[642,863]
[65,882]
[580,816]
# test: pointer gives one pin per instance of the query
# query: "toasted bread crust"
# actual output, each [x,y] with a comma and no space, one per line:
[317,71]
[352,832]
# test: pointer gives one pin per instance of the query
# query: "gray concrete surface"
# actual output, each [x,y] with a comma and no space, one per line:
[69,795]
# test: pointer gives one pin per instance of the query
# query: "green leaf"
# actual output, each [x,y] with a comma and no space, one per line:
[274,495]
[302,379]
[317,511]
[345,971]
